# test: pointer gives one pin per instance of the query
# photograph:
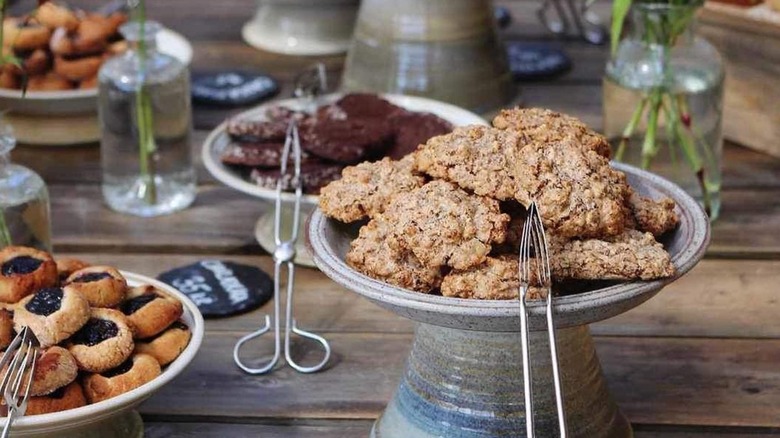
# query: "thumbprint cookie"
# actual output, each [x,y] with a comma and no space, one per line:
[166,346]
[139,369]
[7,333]
[23,271]
[102,286]
[104,342]
[67,397]
[53,314]
[150,311]
[65,267]
[54,369]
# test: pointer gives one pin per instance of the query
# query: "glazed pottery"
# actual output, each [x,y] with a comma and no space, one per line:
[463,377]
[443,49]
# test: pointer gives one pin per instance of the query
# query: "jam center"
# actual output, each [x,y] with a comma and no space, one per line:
[45,302]
[134,304]
[90,277]
[121,369]
[58,393]
[20,265]
[95,331]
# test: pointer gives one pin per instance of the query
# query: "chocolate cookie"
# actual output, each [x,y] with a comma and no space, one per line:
[103,343]
[254,131]
[365,105]
[256,154]
[413,129]
[347,141]
[314,176]
[131,374]
[53,314]
[23,271]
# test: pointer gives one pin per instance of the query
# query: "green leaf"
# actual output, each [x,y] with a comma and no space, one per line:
[619,12]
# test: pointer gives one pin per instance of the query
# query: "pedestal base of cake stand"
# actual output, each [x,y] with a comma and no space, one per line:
[462,383]
[264,232]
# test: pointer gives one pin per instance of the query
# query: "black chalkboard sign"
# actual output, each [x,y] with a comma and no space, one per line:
[221,288]
[532,61]
[232,88]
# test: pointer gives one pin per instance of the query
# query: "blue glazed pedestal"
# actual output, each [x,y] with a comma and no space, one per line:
[460,383]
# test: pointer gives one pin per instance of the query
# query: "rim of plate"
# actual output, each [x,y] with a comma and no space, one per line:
[107,408]
[217,138]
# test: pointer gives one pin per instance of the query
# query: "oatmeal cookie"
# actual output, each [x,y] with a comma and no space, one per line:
[366,189]
[371,254]
[544,126]
[103,343]
[656,217]
[496,279]
[445,226]
[23,271]
[631,255]
[134,372]
[67,397]
[53,314]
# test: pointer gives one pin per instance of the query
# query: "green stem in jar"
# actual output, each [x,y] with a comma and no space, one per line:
[5,233]
[628,132]
[143,116]
[649,147]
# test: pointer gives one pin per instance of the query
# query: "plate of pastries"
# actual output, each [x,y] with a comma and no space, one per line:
[108,338]
[61,50]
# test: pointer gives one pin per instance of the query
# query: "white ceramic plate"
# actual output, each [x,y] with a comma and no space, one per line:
[218,140]
[82,421]
[73,102]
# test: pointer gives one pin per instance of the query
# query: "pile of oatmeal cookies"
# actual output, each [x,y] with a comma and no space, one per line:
[448,218]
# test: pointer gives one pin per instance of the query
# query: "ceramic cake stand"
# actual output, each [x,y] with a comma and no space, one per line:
[463,377]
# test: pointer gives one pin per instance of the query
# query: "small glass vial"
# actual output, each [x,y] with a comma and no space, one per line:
[24,200]
[146,123]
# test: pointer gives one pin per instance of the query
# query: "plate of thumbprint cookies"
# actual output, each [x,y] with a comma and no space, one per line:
[109,339]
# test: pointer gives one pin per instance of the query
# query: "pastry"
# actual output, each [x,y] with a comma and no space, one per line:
[65,267]
[443,225]
[53,314]
[578,193]
[54,369]
[366,189]
[656,217]
[139,369]
[77,69]
[54,15]
[24,35]
[67,397]
[23,271]
[495,279]
[50,81]
[371,254]
[166,346]
[7,332]
[150,311]
[102,286]
[347,141]
[543,125]
[104,342]
[314,175]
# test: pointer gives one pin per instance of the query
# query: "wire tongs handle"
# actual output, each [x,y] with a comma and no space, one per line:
[586,22]
[284,254]
[535,269]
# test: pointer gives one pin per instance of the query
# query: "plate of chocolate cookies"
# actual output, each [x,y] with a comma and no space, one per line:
[336,131]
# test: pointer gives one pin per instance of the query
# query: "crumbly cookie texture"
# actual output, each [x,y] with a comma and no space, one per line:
[495,279]
[445,226]
[578,193]
[366,189]
[371,254]
[631,255]
[544,126]
[654,216]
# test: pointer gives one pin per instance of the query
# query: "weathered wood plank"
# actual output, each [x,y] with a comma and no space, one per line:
[333,429]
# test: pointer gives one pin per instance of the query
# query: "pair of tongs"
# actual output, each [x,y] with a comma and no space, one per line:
[586,23]
[19,362]
[534,269]
[284,255]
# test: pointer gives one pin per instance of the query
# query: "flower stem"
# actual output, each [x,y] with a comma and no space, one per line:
[5,233]
[628,132]
[144,119]
[649,148]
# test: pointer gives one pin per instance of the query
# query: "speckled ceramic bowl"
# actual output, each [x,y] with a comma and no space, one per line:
[464,376]
[116,417]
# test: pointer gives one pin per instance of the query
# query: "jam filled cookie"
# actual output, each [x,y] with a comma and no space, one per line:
[77,69]
[54,15]
[65,267]
[54,369]
[53,314]
[131,374]
[48,82]
[150,311]
[103,343]
[7,333]
[67,397]
[168,345]
[102,286]
[23,271]
[25,35]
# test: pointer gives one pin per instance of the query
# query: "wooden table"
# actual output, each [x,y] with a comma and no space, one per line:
[700,360]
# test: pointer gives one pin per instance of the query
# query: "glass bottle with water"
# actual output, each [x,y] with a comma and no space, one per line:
[24,200]
[146,122]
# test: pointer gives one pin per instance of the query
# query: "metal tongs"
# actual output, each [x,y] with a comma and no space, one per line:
[19,362]
[284,255]
[586,23]
[535,270]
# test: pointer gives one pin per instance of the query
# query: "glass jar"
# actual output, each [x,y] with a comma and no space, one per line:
[146,124]
[24,200]
[663,100]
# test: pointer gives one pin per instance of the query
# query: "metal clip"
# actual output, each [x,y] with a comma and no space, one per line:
[587,24]
[284,255]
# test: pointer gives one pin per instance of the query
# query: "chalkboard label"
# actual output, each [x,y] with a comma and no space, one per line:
[221,288]
[232,88]
[531,61]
